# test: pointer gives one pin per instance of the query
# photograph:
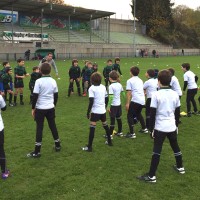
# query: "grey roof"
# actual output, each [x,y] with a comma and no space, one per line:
[35,7]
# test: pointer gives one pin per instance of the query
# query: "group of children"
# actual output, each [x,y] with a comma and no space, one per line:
[163,93]
[76,74]
[162,105]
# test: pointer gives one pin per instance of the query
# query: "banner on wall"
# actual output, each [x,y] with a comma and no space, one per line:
[7,16]
[52,22]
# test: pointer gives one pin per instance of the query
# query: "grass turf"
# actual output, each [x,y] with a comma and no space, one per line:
[108,172]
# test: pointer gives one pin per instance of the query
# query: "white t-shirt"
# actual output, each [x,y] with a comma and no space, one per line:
[2,105]
[176,86]
[116,89]
[189,76]
[135,85]
[165,101]
[98,93]
[45,87]
[151,86]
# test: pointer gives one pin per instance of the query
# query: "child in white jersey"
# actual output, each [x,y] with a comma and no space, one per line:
[5,173]
[163,123]
[114,103]
[135,101]
[190,80]
[45,96]
[98,100]
[150,86]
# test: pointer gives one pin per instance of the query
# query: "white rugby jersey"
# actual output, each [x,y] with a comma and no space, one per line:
[135,85]
[189,76]
[151,86]
[45,87]
[98,93]
[116,88]
[175,85]
[165,101]
[2,105]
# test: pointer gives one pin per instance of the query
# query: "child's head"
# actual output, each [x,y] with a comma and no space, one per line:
[185,67]
[150,73]
[164,77]
[172,71]
[95,65]
[6,64]
[8,70]
[109,62]
[20,62]
[75,62]
[36,69]
[89,64]
[134,71]
[45,69]
[117,60]
[96,79]
[113,76]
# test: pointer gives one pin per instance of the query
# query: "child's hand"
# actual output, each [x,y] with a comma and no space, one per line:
[108,109]
[27,74]
[33,113]
[88,115]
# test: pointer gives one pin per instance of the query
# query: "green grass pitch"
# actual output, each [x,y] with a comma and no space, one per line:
[108,173]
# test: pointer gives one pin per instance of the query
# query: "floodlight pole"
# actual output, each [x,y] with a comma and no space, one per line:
[90,28]
[12,25]
[108,29]
[42,10]
[134,27]
[69,28]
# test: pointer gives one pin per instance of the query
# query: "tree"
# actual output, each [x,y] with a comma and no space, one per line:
[154,14]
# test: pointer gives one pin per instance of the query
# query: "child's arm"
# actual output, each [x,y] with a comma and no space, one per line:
[128,99]
[177,115]
[91,101]
[152,120]
[110,99]
[55,98]
[119,70]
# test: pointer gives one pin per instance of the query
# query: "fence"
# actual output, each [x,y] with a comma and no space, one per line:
[61,56]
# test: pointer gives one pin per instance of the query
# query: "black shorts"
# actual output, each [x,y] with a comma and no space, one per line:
[19,84]
[115,111]
[2,137]
[7,87]
[96,117]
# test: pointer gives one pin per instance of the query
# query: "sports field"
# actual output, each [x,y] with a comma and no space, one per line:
[107,172]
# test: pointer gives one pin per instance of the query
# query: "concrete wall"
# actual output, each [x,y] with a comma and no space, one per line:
[124,26]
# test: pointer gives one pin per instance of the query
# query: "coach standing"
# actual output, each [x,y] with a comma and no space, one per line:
[49,59]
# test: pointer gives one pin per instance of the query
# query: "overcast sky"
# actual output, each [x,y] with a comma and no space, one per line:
[121,7]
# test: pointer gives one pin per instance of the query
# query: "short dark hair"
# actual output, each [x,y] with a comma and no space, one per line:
[135,71]
[96,79]
[164,77]
[151,73]
[20,60]
[113,75]
[34,68]
[172,71]
[50,53]
[117,59]
[45,68]
[5,63]
[74,61]
[186,66]
[109,60]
